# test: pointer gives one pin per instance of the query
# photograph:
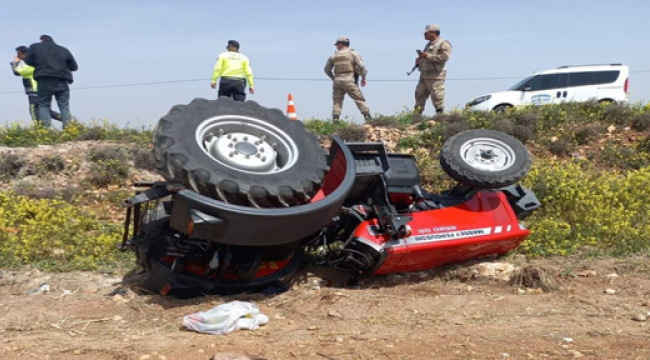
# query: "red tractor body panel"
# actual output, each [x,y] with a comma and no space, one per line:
[484,225]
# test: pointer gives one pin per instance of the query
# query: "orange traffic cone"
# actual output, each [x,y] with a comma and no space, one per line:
[291,109]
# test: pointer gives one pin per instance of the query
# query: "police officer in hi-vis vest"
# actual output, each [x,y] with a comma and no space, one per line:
[19,68]
[234,70]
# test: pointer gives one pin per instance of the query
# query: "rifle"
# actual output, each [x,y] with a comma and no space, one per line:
[417,64]
[408,73]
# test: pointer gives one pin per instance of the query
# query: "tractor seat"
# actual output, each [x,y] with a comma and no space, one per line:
[400,174]
[403,176]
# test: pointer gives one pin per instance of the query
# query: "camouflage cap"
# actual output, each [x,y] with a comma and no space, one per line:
[342,39]
[431,27]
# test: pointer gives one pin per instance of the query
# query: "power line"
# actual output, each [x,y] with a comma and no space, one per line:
[97,87]
[167,82]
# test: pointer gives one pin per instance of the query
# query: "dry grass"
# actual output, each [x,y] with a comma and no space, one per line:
[535,277]
[353,133]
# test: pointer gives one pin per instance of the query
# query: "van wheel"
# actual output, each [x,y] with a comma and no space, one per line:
[607,101]
[502,108]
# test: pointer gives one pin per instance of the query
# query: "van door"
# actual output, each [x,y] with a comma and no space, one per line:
[581,87]
[543,90]
[609,85]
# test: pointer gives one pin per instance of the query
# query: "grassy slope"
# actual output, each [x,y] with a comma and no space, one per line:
[591,173]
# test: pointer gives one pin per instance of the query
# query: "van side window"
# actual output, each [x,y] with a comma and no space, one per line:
[545,82]
[605,77]
[580,78]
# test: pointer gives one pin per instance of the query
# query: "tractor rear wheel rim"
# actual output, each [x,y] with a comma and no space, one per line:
[487,154]
[247,144]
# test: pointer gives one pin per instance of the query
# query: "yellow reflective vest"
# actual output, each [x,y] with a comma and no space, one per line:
[232,64]
[27,72]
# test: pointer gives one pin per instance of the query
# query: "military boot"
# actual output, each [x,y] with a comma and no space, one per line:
[335,118]
[367,117]
[440,110]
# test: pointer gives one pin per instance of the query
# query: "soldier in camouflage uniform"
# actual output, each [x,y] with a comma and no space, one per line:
[432,62]
[348,67]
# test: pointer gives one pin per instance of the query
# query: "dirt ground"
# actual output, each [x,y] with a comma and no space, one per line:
[446,314]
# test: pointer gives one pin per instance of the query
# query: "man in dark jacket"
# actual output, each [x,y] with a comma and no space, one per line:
[53,67]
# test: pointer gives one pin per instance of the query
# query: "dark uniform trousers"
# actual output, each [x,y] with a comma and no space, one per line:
[232,88]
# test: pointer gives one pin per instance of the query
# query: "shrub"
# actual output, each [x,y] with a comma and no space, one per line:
[618,114]
[419,119]
[49,164]
[455,128]
[384,121]
[523,133]
[527,119]
[434,179]
[400,120]
[108,172]
[408,142]
[353,133]
[117,197]
[586,134]
[11,165]
[16,134]
[644,145]
[450,118]
[69,193]
[94,133]
[143,159]
[624,157]
[504,125]
[641,122]
[324,128]
[561,147]
[109,166]
[105,153]
[583,207]
[54,235]
[431,138]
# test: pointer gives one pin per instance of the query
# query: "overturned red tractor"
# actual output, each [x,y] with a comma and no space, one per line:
[248,192]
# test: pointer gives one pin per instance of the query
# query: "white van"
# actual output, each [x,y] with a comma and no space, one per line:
[601,83]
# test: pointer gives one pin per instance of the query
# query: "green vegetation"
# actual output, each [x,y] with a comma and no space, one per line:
[594,211]
[19,135]
[591,171]
[572,124]
[54,235]
[109,165]
[594,194]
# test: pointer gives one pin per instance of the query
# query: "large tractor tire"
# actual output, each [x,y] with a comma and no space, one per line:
[485,159]
[240,153]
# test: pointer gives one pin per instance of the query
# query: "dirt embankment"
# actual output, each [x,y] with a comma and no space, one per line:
[590,310]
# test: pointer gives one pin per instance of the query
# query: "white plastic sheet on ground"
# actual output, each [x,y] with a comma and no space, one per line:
[226,318]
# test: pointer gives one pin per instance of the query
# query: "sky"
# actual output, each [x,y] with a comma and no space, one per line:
[126,42]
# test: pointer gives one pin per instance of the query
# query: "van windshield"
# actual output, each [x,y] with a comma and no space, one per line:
[521,83]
